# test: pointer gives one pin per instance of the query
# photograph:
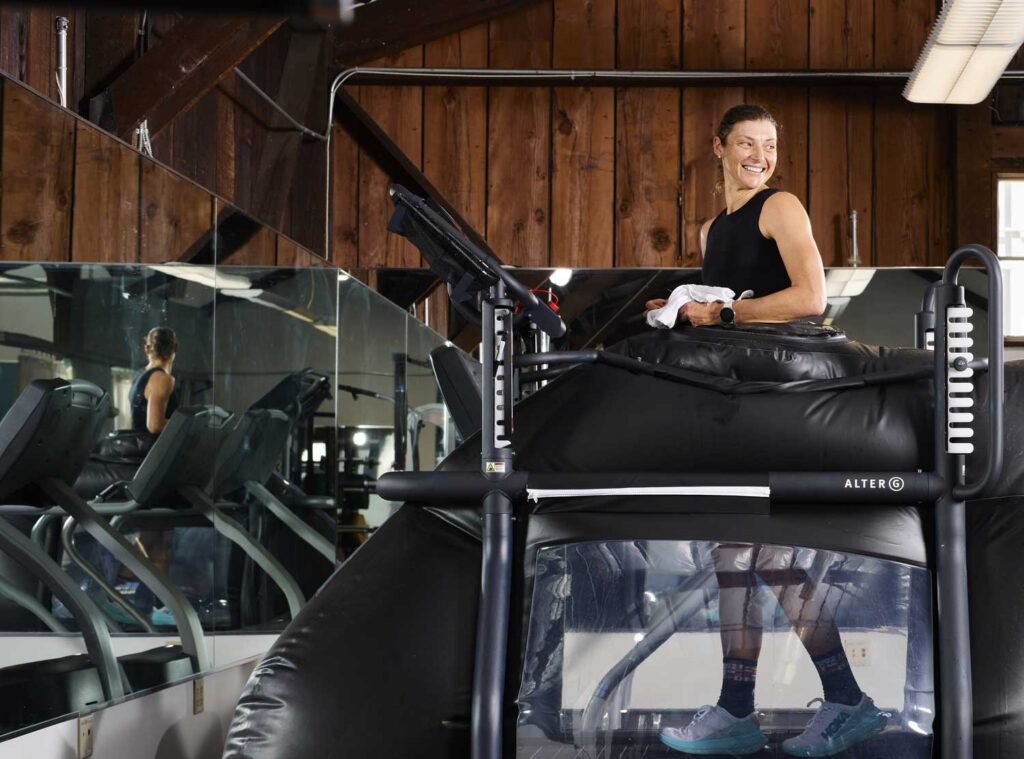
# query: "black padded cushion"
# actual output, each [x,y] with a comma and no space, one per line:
[769,353]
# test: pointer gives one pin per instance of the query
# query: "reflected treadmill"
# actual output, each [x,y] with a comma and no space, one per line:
[202,454]
[45,439]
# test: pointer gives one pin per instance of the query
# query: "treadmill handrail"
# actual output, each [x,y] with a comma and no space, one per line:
[471,260]
[994,459]
[31,603]
[67,539]
[95,627]
[185,617]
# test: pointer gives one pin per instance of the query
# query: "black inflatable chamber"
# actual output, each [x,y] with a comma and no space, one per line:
[379,663]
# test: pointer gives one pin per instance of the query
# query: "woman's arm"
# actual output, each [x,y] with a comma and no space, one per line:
[704,228]
[158,395]
[784,220]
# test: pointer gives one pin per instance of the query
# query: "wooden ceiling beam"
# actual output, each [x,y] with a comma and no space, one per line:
[183,67]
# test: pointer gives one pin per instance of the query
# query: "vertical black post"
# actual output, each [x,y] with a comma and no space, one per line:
[492,627]
[954,655]
[956,713]
[401,411]
[496,570]
[956,710]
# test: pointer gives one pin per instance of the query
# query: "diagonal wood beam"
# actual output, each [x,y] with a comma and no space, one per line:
[183,67]
[388,26]
[280,154]
[393,162]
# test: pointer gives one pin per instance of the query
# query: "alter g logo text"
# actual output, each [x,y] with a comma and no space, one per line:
[895,484]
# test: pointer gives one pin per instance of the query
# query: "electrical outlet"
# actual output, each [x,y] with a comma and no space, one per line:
[198,695]
[85,737]
[858,652]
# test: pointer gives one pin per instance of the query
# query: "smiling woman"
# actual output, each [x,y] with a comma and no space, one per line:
[762,241]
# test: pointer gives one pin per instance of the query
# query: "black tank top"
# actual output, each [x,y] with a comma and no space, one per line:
[137,397]
[739,257]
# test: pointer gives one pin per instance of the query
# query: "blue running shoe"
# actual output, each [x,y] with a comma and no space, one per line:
[162,617]
[714,731]
[836,727]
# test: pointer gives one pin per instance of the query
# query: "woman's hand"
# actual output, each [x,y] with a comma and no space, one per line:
[702,314]
[653,304]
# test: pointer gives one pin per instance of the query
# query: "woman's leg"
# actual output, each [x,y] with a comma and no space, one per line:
[810,604]
[730,728]
[740,625]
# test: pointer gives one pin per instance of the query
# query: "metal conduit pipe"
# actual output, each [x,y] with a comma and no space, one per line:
[62,60]
[273,104]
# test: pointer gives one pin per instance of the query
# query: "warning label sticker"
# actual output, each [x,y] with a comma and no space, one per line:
[494,467]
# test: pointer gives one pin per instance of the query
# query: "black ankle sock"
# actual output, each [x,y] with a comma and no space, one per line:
[837,680]
[737,695]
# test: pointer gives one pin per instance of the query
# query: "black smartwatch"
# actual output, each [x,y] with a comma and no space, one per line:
[727,316]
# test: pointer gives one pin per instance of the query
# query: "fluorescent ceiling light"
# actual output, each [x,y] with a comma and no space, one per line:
[972,43]
[208,276]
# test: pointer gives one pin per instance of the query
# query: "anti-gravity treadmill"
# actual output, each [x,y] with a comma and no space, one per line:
[753,475]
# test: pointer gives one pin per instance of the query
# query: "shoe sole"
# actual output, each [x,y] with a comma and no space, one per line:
[870,730]
[714,746]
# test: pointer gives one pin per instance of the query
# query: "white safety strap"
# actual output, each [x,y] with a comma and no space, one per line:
[744,491]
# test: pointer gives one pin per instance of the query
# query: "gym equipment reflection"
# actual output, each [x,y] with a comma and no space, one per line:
[120,544]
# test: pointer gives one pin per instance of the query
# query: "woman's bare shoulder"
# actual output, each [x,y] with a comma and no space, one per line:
[784,202]
[160,381]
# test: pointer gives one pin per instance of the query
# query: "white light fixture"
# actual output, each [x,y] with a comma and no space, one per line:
[560,277]
[968,50]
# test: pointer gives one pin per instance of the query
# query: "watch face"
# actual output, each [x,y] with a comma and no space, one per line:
[727,315]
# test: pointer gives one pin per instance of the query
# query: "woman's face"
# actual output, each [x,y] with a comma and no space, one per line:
[749,154]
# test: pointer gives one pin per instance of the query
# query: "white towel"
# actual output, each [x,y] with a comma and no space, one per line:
[665,317]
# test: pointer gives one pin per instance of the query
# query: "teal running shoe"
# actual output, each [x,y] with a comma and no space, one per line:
[714,731]
[162,617]
[836,727]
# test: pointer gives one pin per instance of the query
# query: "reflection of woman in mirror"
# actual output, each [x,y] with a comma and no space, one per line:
[152,402]
[151,394]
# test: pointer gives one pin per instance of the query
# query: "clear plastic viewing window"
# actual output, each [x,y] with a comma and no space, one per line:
[629,642]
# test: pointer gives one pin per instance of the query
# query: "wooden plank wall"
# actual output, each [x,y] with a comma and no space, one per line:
[72,192]
[216,143]
[559,176]
[625,177]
